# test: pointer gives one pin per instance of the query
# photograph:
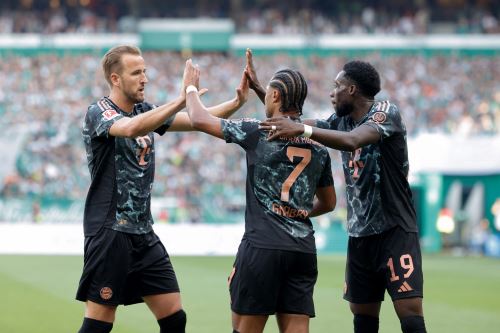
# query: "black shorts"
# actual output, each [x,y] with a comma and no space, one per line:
[391,260]
[121,268]
[266,281]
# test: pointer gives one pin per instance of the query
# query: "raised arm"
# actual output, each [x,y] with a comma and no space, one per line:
[146,122]
[201,119]
[224,110]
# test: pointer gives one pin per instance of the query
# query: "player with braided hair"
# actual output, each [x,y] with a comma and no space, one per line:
[276,268]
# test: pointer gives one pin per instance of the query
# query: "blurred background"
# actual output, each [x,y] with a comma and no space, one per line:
[439,62]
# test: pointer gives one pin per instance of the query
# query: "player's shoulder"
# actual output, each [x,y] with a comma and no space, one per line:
[381,110]
[102,107]
[245,123]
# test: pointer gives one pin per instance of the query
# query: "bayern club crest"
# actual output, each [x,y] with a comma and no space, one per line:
[106,293]
[379,117]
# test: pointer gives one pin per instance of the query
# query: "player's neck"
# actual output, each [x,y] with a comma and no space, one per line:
[361,108]
[121,101]
[294,115]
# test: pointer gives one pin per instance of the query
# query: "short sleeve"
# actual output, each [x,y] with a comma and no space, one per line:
[327,175]
[386,119]
[244,132]
[330,123]
[99,120]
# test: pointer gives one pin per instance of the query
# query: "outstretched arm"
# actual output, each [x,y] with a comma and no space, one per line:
[251,75]
[346,141]
[201,119]
[146,122]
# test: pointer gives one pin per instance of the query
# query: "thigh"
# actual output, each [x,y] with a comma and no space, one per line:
[254,281]
[292,323]
[249,323]
[364,283]
[402,262]
[163,305]
[297,286]
[152,272]
[107,262]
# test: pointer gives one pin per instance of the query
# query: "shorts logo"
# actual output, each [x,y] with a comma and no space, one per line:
[106,293]
[379,117]
[345,287]
[110,114]
[405,287]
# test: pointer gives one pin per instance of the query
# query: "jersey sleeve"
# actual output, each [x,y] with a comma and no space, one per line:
[386,119]
[244,132]
[99,119]
[330,123]
[327,175]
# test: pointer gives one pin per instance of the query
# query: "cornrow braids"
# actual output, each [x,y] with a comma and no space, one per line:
[292,88]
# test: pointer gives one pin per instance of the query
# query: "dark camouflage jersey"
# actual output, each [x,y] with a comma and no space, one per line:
[121,170]
[378,193]
[282,178]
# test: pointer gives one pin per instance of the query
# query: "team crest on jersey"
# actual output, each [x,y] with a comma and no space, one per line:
[106,293]
[379,117]
[110,114]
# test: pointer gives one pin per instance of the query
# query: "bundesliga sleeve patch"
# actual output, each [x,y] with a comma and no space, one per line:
[110,114]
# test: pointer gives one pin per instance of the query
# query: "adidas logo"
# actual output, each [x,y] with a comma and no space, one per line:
[405,287]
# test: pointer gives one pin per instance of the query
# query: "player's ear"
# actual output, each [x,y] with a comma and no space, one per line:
[276,96]
[115,79]
[353,89]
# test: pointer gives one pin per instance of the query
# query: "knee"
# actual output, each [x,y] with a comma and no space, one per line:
[413,324]
[175,323]
[366,324]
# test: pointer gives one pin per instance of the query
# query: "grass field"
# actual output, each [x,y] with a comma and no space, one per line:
[37,295]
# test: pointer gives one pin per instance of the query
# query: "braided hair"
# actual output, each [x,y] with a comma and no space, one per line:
[292,88]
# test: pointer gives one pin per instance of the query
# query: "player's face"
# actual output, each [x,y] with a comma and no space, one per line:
[133,77]
[340,96]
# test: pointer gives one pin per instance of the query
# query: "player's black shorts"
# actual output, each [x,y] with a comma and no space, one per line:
[266,281]
[391,260]
[121,268]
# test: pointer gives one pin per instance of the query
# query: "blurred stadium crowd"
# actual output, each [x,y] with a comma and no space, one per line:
[256,16]
[45,95]
[48,95]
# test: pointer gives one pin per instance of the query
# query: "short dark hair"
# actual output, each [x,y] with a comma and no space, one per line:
[112,60]
[292,88]
[364,75]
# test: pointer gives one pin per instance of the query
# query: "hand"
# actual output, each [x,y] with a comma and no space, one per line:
[242,91]
[250,73]
[191,75]
[281,127]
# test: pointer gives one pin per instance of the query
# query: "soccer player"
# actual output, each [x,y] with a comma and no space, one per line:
[124,260]
[383,250]
[275,269]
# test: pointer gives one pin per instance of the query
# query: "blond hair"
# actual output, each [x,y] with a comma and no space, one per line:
[112,60]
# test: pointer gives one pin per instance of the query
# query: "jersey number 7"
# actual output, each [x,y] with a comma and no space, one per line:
[292,152]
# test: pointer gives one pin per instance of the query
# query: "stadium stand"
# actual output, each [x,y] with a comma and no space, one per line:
[45,87]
